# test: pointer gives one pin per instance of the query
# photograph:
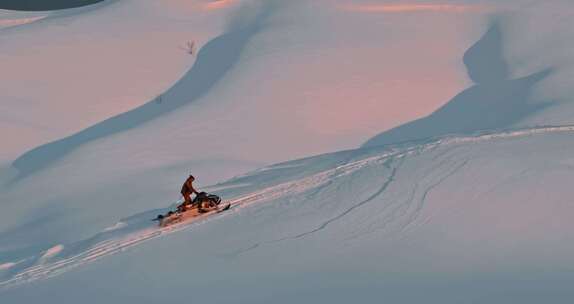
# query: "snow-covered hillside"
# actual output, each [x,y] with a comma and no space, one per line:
[465,211]
[399,151]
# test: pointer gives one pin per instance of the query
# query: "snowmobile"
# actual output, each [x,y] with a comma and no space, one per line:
[210,203]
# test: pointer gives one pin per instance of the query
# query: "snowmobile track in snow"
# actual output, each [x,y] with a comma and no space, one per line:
[123,235]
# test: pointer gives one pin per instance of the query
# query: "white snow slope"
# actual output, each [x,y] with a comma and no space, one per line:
[451,184]
[392,223]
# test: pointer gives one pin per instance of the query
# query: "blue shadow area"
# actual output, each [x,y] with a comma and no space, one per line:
[213,61]
[495,101]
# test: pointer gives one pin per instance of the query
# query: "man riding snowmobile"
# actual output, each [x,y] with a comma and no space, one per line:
[205,202]
[187,190]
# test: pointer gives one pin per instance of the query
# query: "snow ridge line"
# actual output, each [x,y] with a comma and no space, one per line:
[122,242]
[485,135]
[397,153]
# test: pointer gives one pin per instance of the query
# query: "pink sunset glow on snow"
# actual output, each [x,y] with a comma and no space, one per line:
[218,4]
[19,21]
[414,7]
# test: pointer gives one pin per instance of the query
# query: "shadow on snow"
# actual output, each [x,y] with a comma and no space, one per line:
[495,101]
[214,60]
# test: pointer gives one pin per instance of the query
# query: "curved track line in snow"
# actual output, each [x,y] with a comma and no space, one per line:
[395,209]
[47,268]
[417,149]
[413,217]
[355,206]
[129,234]
[331,220]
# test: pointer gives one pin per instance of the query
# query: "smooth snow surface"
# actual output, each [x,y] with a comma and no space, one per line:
[373,151]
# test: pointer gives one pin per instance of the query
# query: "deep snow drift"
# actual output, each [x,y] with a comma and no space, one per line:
[451,184]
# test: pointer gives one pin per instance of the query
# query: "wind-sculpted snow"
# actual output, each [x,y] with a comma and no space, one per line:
[213,62]
[496,101]
[387,200]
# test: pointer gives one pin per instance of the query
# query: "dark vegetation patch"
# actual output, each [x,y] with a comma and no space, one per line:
[43,5]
